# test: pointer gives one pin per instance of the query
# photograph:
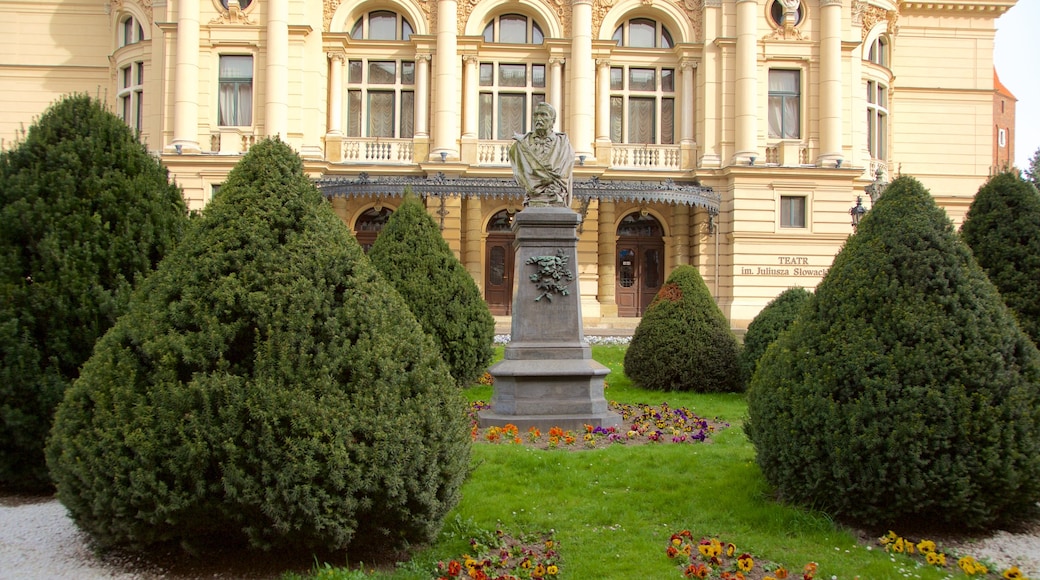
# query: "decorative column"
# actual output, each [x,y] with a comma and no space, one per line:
[556,87]
[474,242]
[607,243]
[469,96]
[277,85]
[582,81]
[603,100]
[687,146]
[422,95]
[710,109]
[186,81]
[746,89]
[446,113]
[830,84]
[681,237]
[334,131]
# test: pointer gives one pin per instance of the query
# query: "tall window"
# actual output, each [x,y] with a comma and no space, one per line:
[513,29]
[512,83]
[235,93]
[130,32]
[642,105]
[785,104]
[131,94]
[380,98]
[382,25]
[508,95]
[792,211]
[643,33]
[877,119]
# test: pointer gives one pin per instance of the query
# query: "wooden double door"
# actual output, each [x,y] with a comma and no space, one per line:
[640,273]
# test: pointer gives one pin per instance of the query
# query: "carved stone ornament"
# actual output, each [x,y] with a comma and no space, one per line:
[869,16]
[694,11]
[146,6]
[552,277]
[233,15]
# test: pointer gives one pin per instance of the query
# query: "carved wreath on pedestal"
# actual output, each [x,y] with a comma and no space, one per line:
[552,277]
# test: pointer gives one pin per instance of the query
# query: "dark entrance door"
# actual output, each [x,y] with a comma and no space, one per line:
[369,224]
[498,258]
[640,263]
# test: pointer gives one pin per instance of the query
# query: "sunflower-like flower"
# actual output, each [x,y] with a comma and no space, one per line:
[745,562]
[1013,573]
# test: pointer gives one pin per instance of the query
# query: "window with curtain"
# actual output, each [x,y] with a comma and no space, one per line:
[380,98]
[508,95]
[877,120]
[131,94]
[785,104]
[642,105]
[878,52]
[235,91]
[792,211]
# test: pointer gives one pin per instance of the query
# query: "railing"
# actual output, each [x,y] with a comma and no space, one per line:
[787,154]
[659,157]
[233,140]
[493,152]
[378,150]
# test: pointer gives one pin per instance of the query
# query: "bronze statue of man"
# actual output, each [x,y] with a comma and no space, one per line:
[543,161]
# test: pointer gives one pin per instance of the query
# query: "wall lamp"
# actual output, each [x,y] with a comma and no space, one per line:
[857,212]
[837,163]
[581,160]
[444,156]
[751,161]
[179,148]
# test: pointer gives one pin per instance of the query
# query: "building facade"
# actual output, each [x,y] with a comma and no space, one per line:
[1003,126]
[733,135]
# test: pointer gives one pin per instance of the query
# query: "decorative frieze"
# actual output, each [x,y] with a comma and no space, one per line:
[867,16]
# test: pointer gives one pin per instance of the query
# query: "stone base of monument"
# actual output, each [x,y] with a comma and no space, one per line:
[547,377]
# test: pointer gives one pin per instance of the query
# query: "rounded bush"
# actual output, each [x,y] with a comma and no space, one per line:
[1002,229]
[683,342]
[85,212]
[904,391]
[413,256]
[770,322]
[266,384]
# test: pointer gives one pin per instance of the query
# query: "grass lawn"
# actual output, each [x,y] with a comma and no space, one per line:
[613,509]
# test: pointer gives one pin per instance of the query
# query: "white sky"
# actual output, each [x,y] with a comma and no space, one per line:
[1015,56]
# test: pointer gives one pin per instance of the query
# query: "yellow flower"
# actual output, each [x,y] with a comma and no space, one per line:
[745,563]
[898,546]
[926,546]
[552,570]
[1013,573]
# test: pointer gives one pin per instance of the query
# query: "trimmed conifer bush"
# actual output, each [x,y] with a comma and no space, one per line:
[683,342]
[770,322]
[266,384]
[85,212]
[1002,229]
[904,391]
[413,256]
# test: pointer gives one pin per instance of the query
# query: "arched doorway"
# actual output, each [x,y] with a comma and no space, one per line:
[640,263]
[369,224]
[498,256]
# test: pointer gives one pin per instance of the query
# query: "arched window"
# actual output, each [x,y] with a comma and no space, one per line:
[382,25]
[643,33]
[243,4]
[513,29]
[878,52]
[130,31]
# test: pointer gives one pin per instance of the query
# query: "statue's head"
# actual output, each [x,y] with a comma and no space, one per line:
[544,116]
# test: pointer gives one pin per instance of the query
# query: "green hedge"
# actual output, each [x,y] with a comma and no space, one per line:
[86,212]
[904,391]
[267,384]
[683,342]
[413,256]
[767,326]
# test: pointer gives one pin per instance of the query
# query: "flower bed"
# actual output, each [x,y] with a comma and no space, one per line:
[934,555]
[712,558]
[642,424]
[505,557]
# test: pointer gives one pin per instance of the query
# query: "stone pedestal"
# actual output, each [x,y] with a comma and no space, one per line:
[547,377]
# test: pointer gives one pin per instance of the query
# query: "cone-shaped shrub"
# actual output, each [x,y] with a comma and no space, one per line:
[84,212]
[1002,229]
[413,256]
[267,384]
[683,342]
[904,390]
[770,322]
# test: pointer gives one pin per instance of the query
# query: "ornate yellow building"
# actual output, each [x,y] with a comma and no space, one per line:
[734,135]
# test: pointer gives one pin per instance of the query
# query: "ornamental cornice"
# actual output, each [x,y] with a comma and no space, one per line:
[694,10]
[990,7]
[146,7]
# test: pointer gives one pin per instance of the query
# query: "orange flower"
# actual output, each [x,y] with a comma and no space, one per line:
[781,573]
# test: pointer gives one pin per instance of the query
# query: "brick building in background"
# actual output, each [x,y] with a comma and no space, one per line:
[1003,126]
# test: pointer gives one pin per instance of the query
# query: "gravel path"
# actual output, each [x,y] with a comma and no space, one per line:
[38,540]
